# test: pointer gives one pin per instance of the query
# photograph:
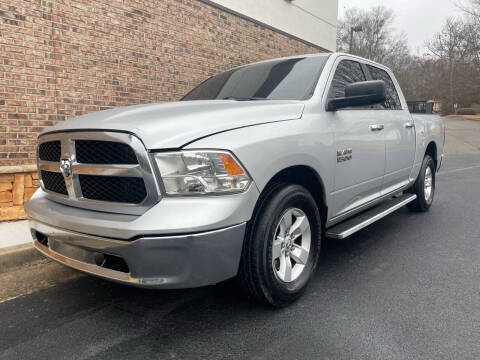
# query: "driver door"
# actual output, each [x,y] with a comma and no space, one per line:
[359,145]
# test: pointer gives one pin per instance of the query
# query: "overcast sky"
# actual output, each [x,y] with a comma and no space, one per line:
[419,19]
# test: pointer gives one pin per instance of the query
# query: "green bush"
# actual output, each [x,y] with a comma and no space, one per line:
[466,111]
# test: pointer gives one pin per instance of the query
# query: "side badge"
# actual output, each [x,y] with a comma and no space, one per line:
[344,155]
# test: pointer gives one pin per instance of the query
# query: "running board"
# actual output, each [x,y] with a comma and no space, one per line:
[351,226]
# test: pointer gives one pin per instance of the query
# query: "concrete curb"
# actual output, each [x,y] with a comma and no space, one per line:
[15,256]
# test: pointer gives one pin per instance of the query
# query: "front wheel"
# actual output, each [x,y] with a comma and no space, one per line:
[282,245]
[424,186]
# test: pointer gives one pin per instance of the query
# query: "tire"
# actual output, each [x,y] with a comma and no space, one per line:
[264,270]
[427,175]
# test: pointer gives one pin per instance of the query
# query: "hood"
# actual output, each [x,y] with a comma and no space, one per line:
[172,125]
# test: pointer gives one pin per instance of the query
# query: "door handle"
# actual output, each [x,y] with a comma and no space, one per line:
[377,127]
[409,125]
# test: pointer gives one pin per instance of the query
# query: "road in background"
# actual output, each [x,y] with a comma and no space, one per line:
[406,287]
[463,136]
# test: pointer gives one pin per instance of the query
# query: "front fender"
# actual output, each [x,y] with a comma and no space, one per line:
[267,149]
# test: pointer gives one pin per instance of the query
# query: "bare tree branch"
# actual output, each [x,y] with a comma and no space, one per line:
[450,72]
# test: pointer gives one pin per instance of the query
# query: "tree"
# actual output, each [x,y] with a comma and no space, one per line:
[471,7]
[450,72]
[456,48]
[378,40]
[472,12]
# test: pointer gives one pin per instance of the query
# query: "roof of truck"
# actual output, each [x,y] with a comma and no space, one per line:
[334,54]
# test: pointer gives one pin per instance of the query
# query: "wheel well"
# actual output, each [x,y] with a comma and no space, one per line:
[432,151]
[307,177]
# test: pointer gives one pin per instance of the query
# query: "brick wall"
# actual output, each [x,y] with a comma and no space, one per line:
[61,58]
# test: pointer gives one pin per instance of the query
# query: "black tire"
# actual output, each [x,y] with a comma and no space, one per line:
[421,203]
[256,274]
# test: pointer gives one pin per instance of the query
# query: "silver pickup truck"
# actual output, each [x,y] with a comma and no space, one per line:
[243,177]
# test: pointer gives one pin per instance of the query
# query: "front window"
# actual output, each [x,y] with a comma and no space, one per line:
[284,79]
[393,100]
[347,72]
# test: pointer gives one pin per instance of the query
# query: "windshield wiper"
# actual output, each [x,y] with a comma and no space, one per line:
[243,99]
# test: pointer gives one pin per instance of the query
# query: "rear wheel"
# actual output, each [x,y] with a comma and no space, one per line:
[282,245]
[424,186]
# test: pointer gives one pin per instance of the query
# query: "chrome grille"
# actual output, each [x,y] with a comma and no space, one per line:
[50,151]
[104,152]
[115,189]
[106,171]
[54,181]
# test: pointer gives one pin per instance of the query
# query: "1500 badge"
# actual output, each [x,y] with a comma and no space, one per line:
[344,155]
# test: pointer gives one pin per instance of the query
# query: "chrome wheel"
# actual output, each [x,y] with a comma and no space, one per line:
[428,185]
[291,245]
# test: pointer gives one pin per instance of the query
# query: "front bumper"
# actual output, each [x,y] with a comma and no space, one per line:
[177,243]
[168,262]
[170,216]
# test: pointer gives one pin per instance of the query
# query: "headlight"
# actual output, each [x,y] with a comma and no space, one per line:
[201,172]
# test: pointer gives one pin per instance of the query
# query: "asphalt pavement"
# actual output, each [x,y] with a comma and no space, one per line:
[407,287]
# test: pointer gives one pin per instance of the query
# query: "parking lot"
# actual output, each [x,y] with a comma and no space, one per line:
[407,287]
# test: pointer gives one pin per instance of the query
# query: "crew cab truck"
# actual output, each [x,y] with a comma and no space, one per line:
[243,177]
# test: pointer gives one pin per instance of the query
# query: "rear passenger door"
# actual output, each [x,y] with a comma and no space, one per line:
[399,133]
[359,144]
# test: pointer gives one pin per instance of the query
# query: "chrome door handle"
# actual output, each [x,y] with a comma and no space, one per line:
[409,125]
[377,127]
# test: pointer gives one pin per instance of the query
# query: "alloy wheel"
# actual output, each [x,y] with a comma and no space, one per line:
[291,245]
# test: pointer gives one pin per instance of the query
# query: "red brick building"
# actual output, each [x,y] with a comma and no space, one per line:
[61,58]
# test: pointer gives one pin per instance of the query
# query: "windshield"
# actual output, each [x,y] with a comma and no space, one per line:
[284,79]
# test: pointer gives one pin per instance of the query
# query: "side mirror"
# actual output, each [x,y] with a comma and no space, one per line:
[360,94]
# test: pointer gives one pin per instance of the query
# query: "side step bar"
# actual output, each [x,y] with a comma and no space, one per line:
[351,226]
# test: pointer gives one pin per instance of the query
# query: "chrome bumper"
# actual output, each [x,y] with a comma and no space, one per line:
[168,262]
